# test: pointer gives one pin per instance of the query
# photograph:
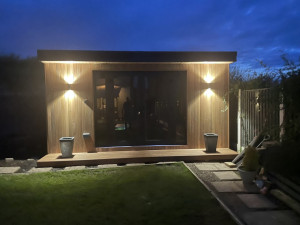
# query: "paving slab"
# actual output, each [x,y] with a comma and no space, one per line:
[40,170]
[7,170]
[256,201]
[91,167]
[273,217]
[227,175]
[234,186]
[31,160]
[230,164]
[69,168]
[213,166]
[135,164]
[222,166]
[9,160]
[107,166]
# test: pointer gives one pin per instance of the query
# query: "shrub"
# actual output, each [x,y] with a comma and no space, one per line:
[250,160]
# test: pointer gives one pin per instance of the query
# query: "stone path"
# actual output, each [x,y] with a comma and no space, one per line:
[8,166]
[31,167]
[17,170]
[245,203]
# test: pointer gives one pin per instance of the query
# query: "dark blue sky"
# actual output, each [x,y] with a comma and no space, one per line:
[257,29]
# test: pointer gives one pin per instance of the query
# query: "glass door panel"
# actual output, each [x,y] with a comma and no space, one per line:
[135,108]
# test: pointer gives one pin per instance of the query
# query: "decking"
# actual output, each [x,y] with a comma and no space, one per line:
[140,156]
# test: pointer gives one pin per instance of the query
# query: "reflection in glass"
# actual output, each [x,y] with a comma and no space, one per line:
[140,108]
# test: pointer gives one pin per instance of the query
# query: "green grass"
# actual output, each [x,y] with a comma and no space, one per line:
[167,194]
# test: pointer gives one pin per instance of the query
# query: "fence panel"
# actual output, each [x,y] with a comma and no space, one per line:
[258,111]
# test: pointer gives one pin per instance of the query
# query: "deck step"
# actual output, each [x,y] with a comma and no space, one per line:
[142,156]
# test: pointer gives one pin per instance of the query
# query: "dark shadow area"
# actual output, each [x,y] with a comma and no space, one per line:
[60,157]
[89,144]
[135,108]
[211,152]
[233,115]
[23,110]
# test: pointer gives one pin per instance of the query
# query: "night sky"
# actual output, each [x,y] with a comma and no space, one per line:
[258,29]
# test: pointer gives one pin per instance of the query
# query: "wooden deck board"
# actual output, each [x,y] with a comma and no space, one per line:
[141,156]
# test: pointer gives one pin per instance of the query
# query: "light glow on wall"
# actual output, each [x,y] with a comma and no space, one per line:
[208,92]
[208,78]
[69,94]
[69,78]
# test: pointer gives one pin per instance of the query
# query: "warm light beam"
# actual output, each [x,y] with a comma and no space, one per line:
[69,94]
[69,78]
[208,92]
[208,78]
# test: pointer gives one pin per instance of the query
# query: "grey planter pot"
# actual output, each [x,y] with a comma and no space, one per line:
[66,146]
[211,141]
[247,176]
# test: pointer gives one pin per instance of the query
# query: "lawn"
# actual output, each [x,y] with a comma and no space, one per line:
[153,194]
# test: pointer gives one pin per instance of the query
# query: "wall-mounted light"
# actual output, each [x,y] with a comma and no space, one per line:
[69,94]
[208,80]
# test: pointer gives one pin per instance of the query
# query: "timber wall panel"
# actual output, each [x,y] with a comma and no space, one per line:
[72,117]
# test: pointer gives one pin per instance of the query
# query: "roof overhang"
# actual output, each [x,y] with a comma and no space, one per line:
[65,56]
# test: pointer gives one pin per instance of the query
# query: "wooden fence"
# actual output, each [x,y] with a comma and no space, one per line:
[258,111]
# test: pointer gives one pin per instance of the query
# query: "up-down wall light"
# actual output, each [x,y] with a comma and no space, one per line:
[69,79]
[208,79]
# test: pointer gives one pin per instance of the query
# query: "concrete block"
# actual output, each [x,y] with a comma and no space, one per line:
[40,170]
[69,168]
[107,166]
[135,164]
[7,170]
[9,160]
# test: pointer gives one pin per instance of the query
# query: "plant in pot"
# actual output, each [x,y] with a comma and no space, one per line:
[248,168]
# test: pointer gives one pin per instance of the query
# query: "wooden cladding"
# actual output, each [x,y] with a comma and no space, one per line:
[73,114]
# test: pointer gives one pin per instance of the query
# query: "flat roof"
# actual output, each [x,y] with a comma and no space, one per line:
[135,56]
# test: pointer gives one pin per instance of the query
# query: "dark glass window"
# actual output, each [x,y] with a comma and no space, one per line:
[140,108]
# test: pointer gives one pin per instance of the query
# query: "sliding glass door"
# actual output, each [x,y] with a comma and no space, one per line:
[134,108]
